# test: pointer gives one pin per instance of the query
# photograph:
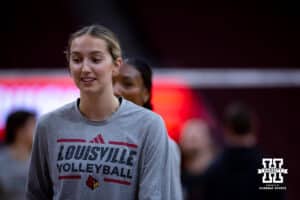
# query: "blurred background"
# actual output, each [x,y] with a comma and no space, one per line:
[205,55]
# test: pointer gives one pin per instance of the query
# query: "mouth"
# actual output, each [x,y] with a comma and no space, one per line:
[87,79]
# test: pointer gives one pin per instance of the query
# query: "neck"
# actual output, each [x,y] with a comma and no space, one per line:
[98,107]
[198,163]
[248,140]
[20,151]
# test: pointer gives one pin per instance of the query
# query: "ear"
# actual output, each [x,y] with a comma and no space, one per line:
[117,65]
[146,95]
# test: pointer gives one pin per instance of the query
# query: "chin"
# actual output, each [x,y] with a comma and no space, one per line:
[88,90]
[91,90]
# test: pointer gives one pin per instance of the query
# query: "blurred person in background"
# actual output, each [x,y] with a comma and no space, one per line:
[14,156]
[198,151]
[99,146]
[134,83]
[233,175]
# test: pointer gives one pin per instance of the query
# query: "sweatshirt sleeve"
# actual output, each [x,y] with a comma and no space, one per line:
[176,187]
[39,185]
[155,173]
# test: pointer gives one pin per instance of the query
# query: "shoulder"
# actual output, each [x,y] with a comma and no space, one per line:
[57,114]
[140,113]
[141,120]
[3,153]
[216,169]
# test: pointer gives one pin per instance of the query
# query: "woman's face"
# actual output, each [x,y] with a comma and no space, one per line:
[195,138]
[25,133]
[91,65]
[28,130]
[129,84]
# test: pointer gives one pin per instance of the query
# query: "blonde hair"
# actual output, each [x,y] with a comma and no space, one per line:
[101,32]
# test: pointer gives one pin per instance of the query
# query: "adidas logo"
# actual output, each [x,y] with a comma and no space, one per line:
[98,139]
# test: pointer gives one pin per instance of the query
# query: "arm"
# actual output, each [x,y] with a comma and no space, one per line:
[176,187]
[39,185]
[156,167]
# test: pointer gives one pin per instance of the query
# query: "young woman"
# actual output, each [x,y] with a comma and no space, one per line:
[134,83]
[99,146]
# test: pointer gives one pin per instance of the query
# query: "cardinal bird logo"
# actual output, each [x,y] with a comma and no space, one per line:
[92,183]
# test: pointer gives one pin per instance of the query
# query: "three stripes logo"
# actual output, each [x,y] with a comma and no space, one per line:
[98,139]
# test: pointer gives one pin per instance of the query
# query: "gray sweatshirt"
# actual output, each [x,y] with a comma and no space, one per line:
[126,157]
[13,175]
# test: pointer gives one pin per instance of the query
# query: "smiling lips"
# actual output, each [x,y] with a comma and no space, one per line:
[87,79]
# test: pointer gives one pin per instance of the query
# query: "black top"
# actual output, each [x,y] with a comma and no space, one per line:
[192,185]
[234,176]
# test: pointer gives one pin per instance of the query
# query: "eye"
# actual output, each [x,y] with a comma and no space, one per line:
[96,60]
[128,84]
[76,59]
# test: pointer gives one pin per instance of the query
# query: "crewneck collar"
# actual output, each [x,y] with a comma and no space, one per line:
[105,121]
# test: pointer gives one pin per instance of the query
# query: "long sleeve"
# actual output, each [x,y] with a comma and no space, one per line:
[176,187]
[39,184]
[156,167]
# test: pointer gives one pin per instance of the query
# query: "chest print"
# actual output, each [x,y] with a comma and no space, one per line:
[110,161]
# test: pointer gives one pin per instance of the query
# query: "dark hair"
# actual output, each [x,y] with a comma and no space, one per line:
[15,121]
[146,72]
[101,32]
[239,118]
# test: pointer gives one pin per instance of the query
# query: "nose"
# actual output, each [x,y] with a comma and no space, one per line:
[117,89]
[85,66]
